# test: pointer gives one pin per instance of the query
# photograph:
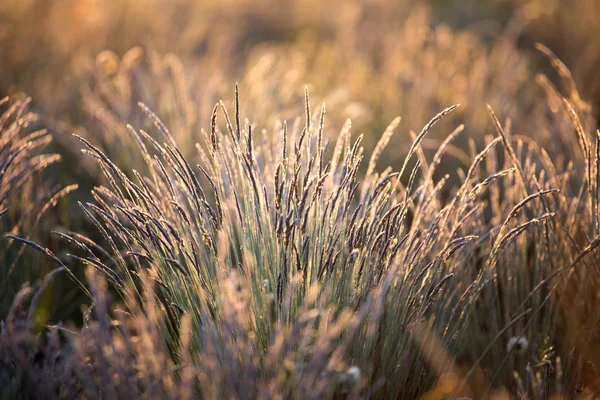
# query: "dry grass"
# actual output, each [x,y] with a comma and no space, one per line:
[260,247]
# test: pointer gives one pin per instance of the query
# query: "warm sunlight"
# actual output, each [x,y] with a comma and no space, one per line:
[303,199]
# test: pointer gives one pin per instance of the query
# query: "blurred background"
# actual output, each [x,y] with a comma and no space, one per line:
[87,63]
[370,60]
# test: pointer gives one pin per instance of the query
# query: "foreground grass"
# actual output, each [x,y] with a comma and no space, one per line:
[285,255]
[267,265]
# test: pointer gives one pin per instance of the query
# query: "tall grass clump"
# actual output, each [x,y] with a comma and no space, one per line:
[24,195]
[268,246]
[268,264]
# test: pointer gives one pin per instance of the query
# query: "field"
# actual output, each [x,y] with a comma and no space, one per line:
[303,199]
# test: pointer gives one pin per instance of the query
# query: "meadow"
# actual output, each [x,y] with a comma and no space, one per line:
[305,200]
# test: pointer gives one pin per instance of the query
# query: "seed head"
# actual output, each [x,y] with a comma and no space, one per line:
[353,373]
[517,343]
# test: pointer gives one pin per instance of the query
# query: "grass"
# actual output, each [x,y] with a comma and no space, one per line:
[224,249]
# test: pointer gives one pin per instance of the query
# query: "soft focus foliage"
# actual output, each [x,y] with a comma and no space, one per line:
[372,240]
